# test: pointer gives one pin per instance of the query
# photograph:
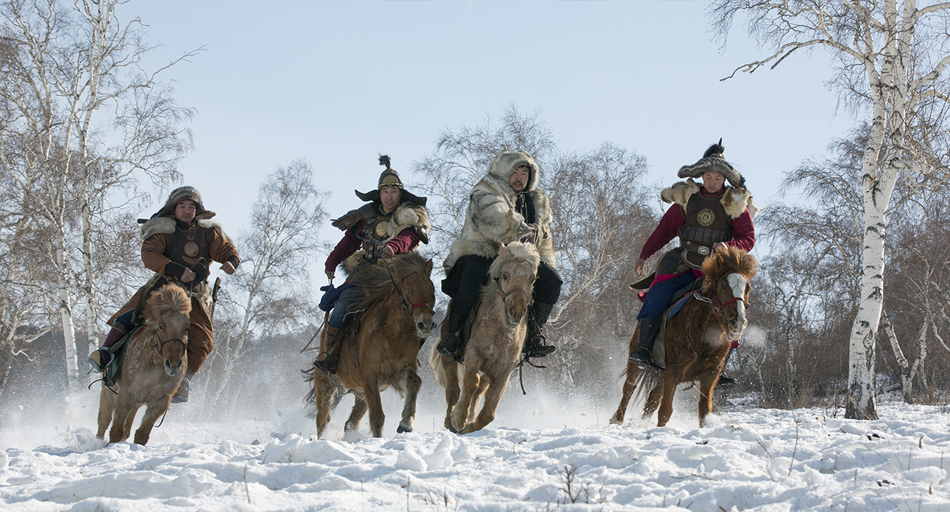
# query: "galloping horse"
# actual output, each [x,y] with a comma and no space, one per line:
[396,318]
[152,368]
[696,339]
[494,347]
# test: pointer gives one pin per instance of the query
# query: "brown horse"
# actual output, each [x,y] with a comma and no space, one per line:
[396,318]
[494,347]
[696,340]
[152,368]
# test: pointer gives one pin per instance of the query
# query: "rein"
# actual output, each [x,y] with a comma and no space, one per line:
[406,307]
[718,307]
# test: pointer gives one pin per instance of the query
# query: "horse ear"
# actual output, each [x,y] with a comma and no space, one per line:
[429,266]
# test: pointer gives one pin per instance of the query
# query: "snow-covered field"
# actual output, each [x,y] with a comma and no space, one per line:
[539,454]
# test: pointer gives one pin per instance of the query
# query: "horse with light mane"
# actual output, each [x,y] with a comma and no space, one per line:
[381,349]
[493,350]
[694,343]
[152,368]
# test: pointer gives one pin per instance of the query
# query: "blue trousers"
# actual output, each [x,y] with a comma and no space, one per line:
[348,297]
[659,295]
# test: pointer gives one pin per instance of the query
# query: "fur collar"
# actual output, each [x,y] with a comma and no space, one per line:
[734,200]
[167,226]
[409,215]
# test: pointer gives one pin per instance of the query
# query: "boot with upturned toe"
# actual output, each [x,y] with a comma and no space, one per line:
[328,364]
[534,343]
[449,345]
[100,359]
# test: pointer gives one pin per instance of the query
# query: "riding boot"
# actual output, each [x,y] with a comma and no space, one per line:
[328,364]
[102,357]
[181,395]
[534,340]
[451,343]
[643,355]
[725,381]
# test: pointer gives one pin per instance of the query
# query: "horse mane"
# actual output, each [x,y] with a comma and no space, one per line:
[727,260]
[513,251]
[375,282]
[167,299]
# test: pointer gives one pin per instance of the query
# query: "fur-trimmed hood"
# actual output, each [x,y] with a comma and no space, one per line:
[167,226]
[491,219]
[734,200]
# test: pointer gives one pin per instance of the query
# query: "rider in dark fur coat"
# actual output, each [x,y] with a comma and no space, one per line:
[392,222]
[703,217]
[505,206]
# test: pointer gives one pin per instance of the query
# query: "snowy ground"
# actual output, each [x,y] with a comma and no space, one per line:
[539,454]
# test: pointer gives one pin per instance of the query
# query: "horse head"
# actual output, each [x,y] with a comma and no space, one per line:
[420,298]
[167,313]
[514,272]
[729,271]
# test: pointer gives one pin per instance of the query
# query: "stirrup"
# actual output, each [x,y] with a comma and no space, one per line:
[449,345]
[327,365]
[643,359]
[100,359]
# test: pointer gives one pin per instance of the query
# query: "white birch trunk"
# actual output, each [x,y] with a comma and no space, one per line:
[66,317]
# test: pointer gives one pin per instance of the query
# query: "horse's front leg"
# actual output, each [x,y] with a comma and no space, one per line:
[469,387]
[122,419]
[373,404]
[153,411]
[107,399]
[493,395]
[356,415]
[668,388]
[413,384]
[450,369]
[483,384]
[706,386]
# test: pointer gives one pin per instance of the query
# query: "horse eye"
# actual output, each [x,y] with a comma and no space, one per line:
[505,276]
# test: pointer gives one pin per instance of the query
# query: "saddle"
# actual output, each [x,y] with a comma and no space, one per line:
[677,302]
[118,353]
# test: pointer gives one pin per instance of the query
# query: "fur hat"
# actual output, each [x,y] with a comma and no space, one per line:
[713,161]
[182,194]
[389,177]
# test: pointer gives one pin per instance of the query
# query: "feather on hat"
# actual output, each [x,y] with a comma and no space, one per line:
[389,177]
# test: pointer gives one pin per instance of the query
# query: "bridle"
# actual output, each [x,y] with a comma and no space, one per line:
[160,344]
[505,295]
[718,306]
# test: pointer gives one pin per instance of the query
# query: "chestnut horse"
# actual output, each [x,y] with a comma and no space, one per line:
[695,340]
[493,350]
[152,368]
[396,319]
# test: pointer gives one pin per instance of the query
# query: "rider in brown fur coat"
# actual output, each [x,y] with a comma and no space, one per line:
[179,242]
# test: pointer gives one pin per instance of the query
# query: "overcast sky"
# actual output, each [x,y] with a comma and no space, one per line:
[338,82]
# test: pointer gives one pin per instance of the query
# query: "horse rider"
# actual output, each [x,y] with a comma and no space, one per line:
[179,242]
[392,222]
[705,218]
[506,205]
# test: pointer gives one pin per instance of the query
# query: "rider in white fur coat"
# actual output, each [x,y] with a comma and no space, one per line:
[504,206]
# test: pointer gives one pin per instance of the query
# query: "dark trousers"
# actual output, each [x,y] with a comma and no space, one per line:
[659,295]
[470,273]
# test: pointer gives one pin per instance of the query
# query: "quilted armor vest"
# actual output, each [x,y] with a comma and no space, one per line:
[706,224]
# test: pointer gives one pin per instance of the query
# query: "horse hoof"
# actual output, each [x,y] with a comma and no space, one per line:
[400,429]
[615,421]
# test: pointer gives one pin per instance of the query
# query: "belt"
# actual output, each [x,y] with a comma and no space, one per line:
[703,250]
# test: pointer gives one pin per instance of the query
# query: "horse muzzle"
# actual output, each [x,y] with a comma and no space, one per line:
[173,370]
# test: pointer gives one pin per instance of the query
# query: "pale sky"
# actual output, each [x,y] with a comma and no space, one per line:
[338,82]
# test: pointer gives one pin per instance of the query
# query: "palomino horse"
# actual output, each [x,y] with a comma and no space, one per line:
[152,368]
[696,339]
[494,347]
[396,318]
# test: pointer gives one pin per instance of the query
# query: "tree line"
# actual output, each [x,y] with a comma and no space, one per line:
[83,128]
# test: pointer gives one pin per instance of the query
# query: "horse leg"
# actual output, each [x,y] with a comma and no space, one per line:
[469,388]
[483,384]
[356,415]
[492,396]
[706,387]
[629,385]
[413,384]
[653,400]
[324,392]
[374,404]
[668,384]
[122,419]
[106,408]
[153,411]
[452,392]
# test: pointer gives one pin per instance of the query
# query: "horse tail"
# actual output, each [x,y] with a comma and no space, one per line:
[435,359]
[649,379]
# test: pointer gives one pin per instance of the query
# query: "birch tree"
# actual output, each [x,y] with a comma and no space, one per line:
[890,57]
[271,294]
[72,85]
